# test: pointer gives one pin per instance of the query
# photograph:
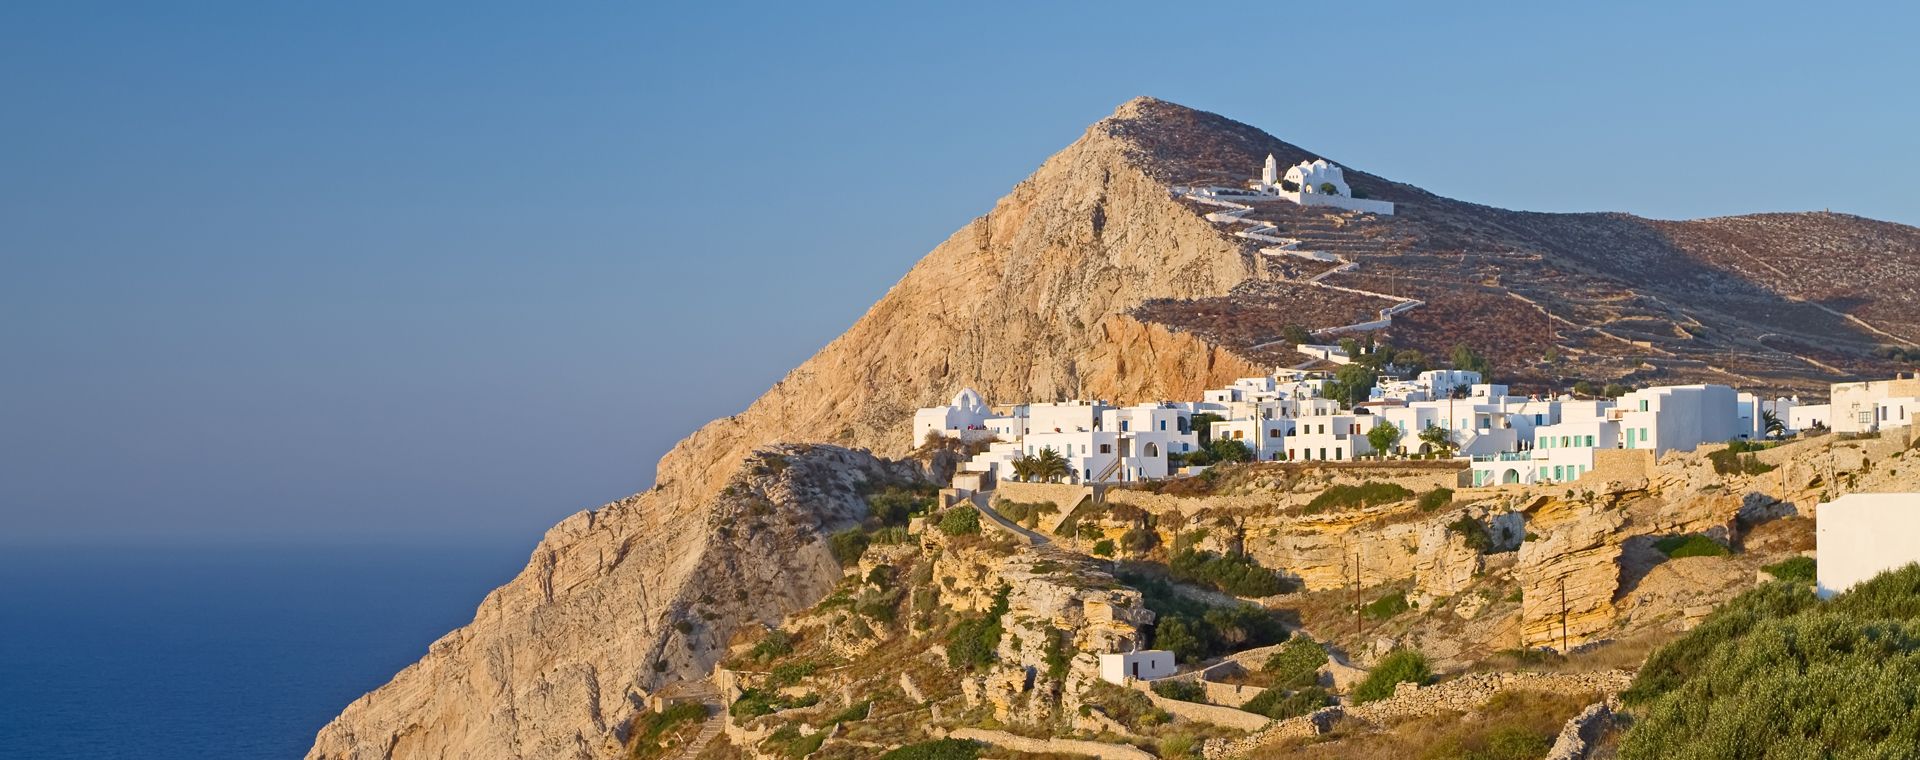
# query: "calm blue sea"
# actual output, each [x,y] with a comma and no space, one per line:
[215,653]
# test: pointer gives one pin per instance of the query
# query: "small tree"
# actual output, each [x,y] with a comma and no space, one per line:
[1352,384]
[1329,189]
[1296,335]
[1202,425]
[1383,437]
[1464,357]
[1229,450]
[1439,438]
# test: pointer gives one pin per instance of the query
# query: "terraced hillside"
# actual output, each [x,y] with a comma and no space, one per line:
[1788,302]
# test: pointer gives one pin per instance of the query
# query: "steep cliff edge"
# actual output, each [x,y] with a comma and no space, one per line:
[1027,301]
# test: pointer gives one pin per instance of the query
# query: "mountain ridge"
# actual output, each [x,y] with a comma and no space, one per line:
[1040,298]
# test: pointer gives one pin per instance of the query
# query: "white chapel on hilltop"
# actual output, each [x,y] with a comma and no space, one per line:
[1316,183]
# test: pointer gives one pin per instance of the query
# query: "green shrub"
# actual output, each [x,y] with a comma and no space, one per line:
[652,727]
[895,505]
[1103,548]
[754,703]
[1236,574]
[1194,630]
[856,711]
[774,645]
[1514,743]
[1279,704]
[1059,653]
[788,674]
[1670,666]
[1690,545]
[1473,531]
[939,749]
[1185,691]
[1297,664]
[1387,606]
[1178,745]
[1138,540]
[848,545]
[1026,512]
[1399,666]
[1126,706]
[1366,494]
[787,742]
[960,521]
[1794,570]
[1735,459]
[1435,499]
[1819,684]
[975,641]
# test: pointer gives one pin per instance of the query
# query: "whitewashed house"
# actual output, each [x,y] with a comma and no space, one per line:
[1099,442]
[1143,665]
[1809,416]
[1857,407]
[964,418]
[1860,535]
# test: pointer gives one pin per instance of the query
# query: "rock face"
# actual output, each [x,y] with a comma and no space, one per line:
[1035,300]
[1026,302]
[614,603]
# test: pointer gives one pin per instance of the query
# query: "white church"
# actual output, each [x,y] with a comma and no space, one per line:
[1316,183]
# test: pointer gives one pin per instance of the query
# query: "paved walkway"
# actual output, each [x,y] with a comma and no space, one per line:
[981,503]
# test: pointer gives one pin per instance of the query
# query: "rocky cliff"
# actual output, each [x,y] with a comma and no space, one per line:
[1040,298]
[1027,301]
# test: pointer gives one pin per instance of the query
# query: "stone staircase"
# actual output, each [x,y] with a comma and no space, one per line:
[716,722]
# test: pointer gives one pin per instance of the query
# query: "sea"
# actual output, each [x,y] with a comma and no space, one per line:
[210,653]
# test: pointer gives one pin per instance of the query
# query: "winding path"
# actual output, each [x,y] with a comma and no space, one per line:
[1263,232]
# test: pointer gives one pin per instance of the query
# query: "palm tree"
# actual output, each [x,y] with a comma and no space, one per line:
[1050,466]
[1772,424]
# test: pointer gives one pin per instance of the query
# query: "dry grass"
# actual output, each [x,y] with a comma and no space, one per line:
[1511,721]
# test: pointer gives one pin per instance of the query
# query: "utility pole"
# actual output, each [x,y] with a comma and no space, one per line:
[1563,615]
[1357,632]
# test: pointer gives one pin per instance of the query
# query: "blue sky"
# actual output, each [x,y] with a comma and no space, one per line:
[349,272]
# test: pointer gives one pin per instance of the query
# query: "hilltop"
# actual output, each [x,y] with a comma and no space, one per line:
[1091,279]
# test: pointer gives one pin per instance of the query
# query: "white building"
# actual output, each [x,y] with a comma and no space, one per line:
[1099,442]
[1861,535]
[1316,183]
[1144,665]
[1809,416]
[964,418]
[1662,419]
[1857,407]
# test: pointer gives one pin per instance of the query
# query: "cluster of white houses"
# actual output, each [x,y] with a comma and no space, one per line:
[1287,417]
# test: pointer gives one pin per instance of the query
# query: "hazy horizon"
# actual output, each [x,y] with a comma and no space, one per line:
[367,274]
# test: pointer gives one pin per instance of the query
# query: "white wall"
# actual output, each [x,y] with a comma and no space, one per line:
[1861,535]
[1145,665]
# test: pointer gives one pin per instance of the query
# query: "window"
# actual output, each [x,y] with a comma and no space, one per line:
[1557,474]
[1589,442]
[1337,454]
[1323,454]
[1123,425]
[1106,448]
[1163,424]
[1274,433]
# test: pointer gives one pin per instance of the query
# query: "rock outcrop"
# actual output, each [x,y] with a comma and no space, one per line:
[615,603]
[1026,302]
